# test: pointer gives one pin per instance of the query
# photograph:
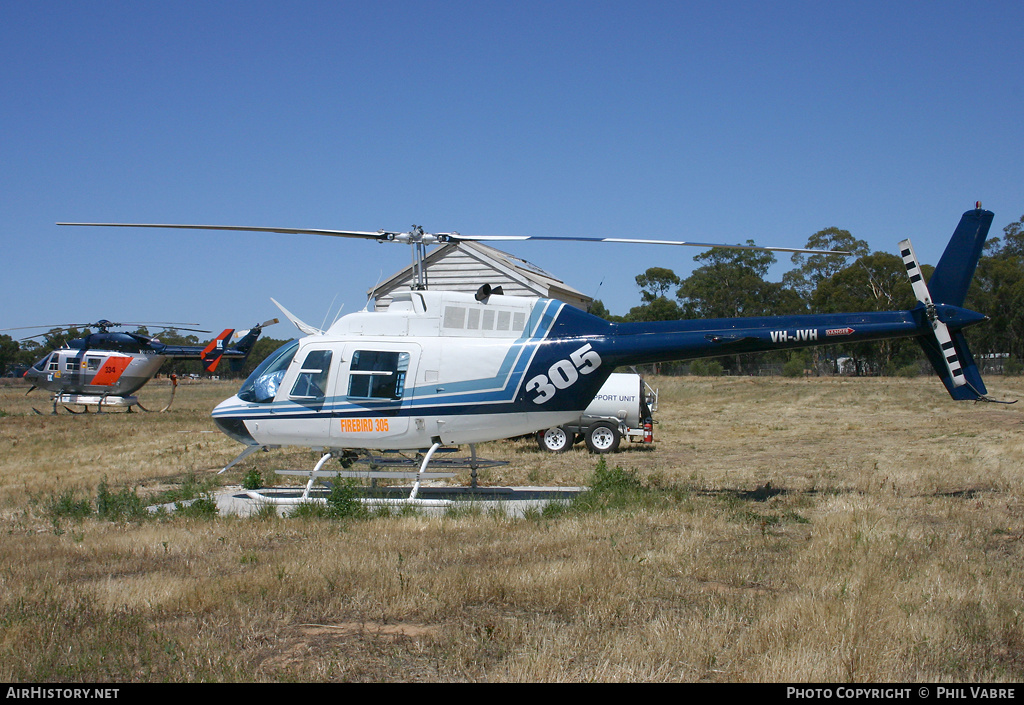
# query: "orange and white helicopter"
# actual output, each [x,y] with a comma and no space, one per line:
[106,368]
[439,368]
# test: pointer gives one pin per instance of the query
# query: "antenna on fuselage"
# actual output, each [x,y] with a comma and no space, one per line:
[327,315]
[370,294]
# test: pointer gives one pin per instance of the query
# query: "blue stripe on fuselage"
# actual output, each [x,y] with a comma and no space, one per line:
[514,364]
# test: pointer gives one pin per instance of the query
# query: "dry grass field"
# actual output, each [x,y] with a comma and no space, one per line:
[825,530]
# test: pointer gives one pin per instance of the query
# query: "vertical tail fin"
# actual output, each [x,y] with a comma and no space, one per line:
[952,277]
[213,352]
[243,347]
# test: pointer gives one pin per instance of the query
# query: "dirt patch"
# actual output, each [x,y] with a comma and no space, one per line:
[362,629]
[722,588]
[306,642]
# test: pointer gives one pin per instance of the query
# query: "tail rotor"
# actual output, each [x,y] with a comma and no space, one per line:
[940,329]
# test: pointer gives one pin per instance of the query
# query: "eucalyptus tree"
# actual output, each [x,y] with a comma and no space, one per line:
[998,291]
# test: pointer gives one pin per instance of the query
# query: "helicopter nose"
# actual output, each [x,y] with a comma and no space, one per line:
[232,426]
[235,428]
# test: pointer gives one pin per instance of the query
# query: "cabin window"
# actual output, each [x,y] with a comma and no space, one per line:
[92,364]
[312,380]
[377,374]
[72,364]
[454,317]
[54,363]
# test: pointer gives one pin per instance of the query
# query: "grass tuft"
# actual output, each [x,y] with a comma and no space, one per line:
[122,505]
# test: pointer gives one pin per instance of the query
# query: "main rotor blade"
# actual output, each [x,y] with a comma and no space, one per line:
[61,326]
[642,241]
[431,238]
[174,324]
[380,235]
[176,329]
[96,324]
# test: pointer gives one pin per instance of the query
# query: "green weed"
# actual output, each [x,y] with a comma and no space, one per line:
[252,480]
[118,506]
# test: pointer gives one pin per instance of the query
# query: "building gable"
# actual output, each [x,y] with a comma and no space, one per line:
[466,266]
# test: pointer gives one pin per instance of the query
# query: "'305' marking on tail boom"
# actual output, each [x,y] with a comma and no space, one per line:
[564,373]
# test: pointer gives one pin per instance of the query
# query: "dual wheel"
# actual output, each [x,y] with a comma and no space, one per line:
[601,437]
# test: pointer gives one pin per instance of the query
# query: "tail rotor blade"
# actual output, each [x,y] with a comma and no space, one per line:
[940,329]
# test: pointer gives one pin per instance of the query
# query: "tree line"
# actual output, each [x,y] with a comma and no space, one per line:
[731,283]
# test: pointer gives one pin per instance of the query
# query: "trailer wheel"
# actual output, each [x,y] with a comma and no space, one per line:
[602,437]
[555,440]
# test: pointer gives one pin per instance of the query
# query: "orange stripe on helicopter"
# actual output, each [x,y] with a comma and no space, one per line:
[111,370]
[216,344]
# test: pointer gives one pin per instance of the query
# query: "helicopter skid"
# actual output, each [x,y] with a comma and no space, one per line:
[87,400]
[94,400]
[281,500]
[287,497]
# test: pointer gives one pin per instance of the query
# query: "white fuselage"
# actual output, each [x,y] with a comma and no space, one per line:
[433,366]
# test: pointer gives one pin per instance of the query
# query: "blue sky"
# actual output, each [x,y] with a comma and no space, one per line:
[715,122]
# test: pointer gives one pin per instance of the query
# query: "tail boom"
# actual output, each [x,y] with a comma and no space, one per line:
[936,322]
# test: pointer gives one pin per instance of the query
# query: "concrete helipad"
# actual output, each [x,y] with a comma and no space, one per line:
[511,501]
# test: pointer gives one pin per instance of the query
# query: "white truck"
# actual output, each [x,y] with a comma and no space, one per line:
[621,409]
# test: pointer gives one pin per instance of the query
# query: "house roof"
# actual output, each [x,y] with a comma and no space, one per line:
[465,266]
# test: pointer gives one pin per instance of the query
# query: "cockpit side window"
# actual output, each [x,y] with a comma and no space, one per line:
[261,386]
[312,380]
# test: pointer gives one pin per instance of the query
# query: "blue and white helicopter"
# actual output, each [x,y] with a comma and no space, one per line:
[106,368]
[439,368]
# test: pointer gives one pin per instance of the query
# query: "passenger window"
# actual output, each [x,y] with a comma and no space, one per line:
[377,374]
[312,380]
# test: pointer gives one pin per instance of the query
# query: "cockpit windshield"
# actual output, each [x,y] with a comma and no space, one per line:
[261,386]
[41,365]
